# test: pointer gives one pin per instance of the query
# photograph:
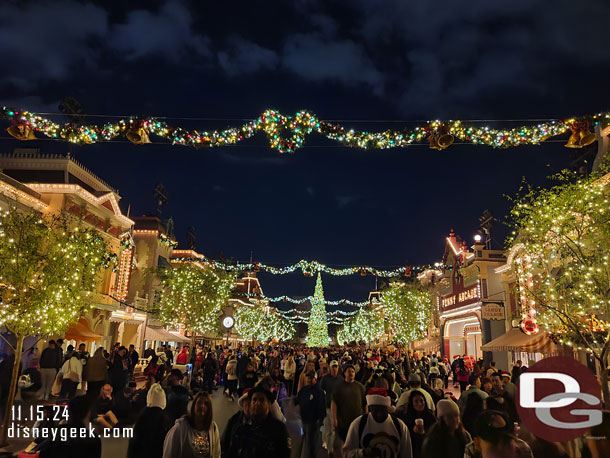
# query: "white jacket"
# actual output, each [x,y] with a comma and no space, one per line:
[181,437]
[71,367]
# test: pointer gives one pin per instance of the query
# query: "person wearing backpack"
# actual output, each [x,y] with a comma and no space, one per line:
[378,433]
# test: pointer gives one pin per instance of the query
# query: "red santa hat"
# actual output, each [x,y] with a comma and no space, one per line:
[378,397]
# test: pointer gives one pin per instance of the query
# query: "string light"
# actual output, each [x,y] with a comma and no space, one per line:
[310,268]
[286,134]
[561,260]
[403,314]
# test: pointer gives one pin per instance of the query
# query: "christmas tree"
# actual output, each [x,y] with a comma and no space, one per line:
[317,329]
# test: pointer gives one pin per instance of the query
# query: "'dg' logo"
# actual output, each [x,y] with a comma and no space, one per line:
[559,399]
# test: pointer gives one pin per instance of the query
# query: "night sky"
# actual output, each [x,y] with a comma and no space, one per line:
[344,60]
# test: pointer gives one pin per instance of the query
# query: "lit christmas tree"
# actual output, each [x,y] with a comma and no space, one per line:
[317,329]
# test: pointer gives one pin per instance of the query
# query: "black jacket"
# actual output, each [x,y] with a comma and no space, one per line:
[149,433]
[48,359]
[311,401]
[266,438]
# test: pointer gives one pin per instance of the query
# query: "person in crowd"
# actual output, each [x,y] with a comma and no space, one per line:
[509,387]
[133,358]
[419,419]
[494,438]
[140,396]
[249,380]
[68,353]
[177,395]
[48,369]
[473,388]
[169,354]
[377,433]
[309,366]
[492,369]
[72,375]
[470,411]
[118,370]
[59,354]
[240,418]
[123,405]
[75,446]
[447,438]
[415,384]
[515,373]
[275,409]
[196,434]
[210,369]
[463,375]
[328,383]
[102,413]
[182,357]
[348,402]
[83,354]
[279,386]
[96,372]
[310,400]
[161,361]
[231,385]
[289,371]
[151,427]
[434,372]
[149,352]
[152,368]
[500,399]
[263,435]
[486,385]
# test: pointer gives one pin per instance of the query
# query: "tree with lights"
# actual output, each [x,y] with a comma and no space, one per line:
[367,325]
[317,328]
[561,245]
[192,297]
[50,268]
[257,322]
[408,311]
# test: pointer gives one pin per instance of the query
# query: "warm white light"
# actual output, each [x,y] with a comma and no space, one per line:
[478,238]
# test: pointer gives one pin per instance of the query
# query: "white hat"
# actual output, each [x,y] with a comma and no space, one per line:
[156,396]
[378,397]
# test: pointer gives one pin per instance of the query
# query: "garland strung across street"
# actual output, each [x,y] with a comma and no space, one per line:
[305,299]
[310,268]
[286,134]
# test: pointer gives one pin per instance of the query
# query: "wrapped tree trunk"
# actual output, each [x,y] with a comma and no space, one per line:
[12,392]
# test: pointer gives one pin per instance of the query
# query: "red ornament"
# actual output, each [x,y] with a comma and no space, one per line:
[529,326]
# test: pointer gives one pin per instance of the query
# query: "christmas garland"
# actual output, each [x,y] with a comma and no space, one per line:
[310,268]
[286,134]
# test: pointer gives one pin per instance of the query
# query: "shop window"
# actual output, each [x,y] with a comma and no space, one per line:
[484,288]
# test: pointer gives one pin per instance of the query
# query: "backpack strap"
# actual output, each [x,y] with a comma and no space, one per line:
[363,419]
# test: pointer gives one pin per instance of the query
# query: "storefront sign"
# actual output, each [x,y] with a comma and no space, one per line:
[492,311]
[467,296]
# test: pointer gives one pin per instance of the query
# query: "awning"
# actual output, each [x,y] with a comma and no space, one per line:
[162,335]
[429,346]
[515,340]
[81,332]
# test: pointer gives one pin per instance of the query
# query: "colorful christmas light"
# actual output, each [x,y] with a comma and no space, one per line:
[286,134]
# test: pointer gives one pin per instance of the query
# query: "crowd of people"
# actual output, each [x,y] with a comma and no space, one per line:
[353,402]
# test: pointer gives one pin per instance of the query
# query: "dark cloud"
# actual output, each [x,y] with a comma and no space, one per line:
[168,33]
[242,56]
[313,58]
[44,41]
